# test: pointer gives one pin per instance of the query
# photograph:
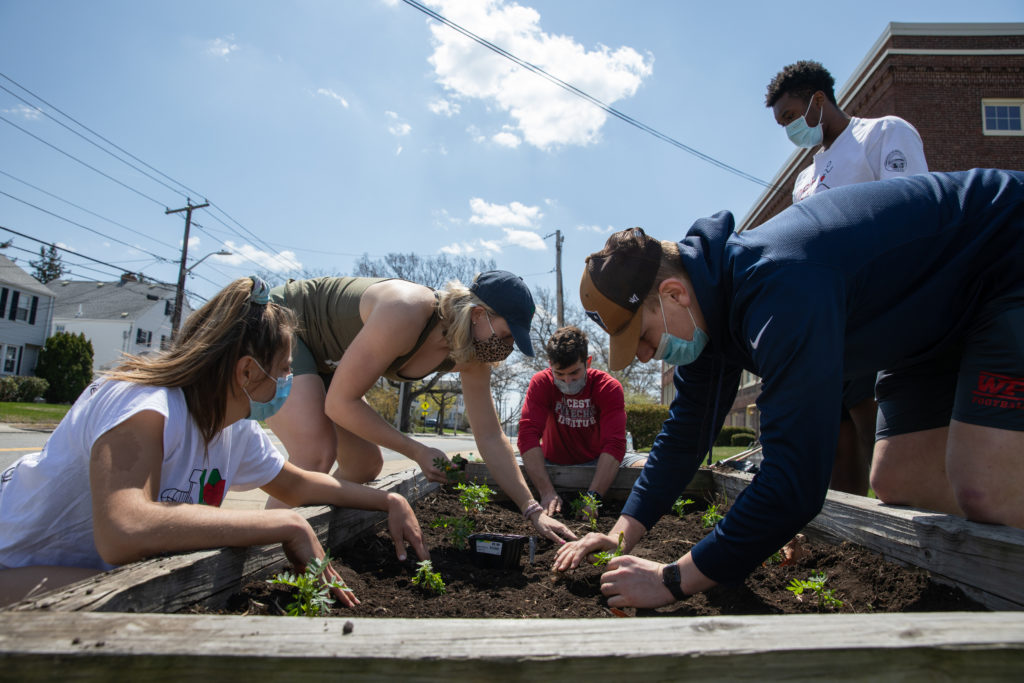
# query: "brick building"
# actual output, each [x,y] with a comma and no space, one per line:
[960,85]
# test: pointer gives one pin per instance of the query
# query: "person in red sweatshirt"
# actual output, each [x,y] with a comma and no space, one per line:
[573,415]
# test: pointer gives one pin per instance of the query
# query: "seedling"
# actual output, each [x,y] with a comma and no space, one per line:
[815,583]
[712,515]
[313,590]
[458,528]
[775,558]
[474,497]
[586,506]
[605,556]
[679,507]
[453,469]
[427,579]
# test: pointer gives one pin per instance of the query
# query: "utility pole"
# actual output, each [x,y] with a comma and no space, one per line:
[558,269]
[176,316]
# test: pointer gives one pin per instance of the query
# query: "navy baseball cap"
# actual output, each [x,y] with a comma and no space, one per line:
[510,298]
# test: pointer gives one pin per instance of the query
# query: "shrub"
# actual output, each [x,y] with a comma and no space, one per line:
[725,436]
[22,389]
[644,422]
[741,440]
[66,363]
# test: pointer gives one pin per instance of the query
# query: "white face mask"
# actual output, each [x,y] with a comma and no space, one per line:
[571,387]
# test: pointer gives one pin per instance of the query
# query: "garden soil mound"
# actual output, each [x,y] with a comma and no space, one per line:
[862,580]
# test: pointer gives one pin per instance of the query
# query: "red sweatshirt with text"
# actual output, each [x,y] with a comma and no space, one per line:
[573,429]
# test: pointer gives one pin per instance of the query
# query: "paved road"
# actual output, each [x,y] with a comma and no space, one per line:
[15,442]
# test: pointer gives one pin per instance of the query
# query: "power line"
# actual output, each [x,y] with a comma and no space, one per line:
[82,208]
[586,96]
[112,144]
[72,251]
[85,227]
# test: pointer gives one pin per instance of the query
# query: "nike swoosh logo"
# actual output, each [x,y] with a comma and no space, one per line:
[757,340]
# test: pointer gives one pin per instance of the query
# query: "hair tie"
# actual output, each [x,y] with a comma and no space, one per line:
[260,290]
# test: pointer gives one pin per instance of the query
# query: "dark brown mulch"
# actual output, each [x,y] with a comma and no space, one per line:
[861,579]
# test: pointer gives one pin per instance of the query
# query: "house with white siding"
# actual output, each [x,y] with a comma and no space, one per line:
[26,309]
[123,317]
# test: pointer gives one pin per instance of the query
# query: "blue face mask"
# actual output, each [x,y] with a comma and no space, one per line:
[802,135]
[260,410]
[676,351]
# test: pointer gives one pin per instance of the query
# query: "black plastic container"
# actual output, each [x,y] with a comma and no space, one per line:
[496,551]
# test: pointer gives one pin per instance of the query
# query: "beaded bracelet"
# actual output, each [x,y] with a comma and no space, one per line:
[531,507]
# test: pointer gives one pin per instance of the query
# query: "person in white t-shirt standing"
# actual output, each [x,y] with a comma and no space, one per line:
[140,464]
[850,150]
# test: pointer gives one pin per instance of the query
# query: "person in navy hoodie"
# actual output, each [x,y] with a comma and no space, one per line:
[828,289]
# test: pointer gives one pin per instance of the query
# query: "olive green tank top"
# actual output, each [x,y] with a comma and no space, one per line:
[328,313]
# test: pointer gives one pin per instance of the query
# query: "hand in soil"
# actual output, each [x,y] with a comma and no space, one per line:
[404,528]
[795,550]
[425,459]
[570,555]
[634,582]
[552,529]
[552,503]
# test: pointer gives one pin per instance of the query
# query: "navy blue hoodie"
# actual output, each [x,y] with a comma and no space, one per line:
[848,282]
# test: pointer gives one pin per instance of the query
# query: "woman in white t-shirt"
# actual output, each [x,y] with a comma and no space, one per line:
[140,464]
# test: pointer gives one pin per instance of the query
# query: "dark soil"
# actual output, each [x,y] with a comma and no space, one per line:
[861,579]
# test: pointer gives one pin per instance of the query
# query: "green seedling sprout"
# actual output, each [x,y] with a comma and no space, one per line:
[586,506]
[474,497]
[712,515]
[427,579]
[458,528]
[313,590]
[605,556]
[679,507]
[454,470]
[816,584]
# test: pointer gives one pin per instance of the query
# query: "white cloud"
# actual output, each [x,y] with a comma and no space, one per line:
[506,138]
[221,47]
[397,127]
[525,239]
[444,107]
[327,92]
[246,254]
[595,228]
[193,242]
[515,213]
[489,247]
[29,113]
[544,114]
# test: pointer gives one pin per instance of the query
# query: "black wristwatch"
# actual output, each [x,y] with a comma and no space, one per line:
[670,577]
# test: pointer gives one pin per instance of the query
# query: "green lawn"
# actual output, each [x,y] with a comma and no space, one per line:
[717,453]
[33,413]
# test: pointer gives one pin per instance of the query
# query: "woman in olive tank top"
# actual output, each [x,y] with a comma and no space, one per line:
[353,331]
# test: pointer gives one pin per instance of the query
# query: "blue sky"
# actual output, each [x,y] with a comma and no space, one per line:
[324,130]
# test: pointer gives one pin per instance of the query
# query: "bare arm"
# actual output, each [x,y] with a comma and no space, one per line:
[536,469]
[604,474]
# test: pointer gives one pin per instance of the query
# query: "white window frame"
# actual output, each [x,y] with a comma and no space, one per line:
[24,307]
[1002,102]
[4,353]
[141,335]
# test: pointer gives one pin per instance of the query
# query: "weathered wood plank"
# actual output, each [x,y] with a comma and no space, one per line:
[985,560]
[100,647]
[168,584]
[578,478]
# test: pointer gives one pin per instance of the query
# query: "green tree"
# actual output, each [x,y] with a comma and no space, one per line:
[49,267]
[66,363]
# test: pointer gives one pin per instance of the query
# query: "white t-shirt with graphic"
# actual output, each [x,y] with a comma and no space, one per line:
[866,150]
[45,500]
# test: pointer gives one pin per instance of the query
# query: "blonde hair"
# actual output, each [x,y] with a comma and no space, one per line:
[202,359]
[455,306]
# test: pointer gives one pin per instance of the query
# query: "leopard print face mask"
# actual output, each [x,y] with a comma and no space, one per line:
[493,349]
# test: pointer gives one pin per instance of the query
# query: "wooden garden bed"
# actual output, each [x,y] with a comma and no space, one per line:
[118,622]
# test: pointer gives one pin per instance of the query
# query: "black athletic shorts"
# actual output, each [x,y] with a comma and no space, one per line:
[979,381]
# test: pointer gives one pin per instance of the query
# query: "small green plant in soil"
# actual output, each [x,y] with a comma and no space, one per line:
[679,507]
[459,530]
[586,506]
[312,589]
[815,584]
[474,497]
[712,515]
[453,469]
[427,579]
[605,556]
